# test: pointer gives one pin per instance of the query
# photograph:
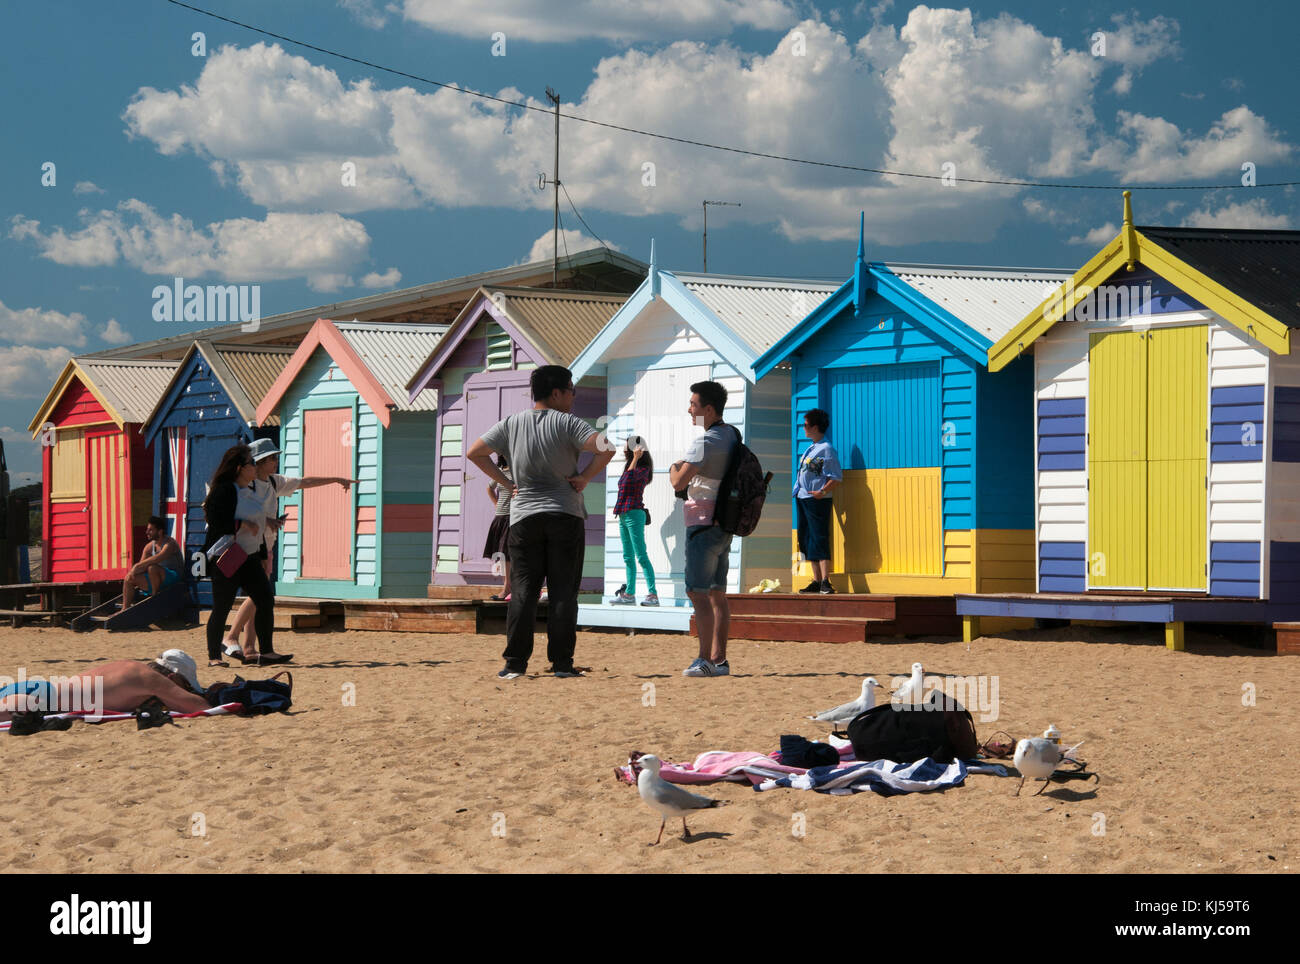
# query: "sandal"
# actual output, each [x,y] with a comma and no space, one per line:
[218,662]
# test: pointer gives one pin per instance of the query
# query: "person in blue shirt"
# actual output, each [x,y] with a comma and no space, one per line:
[819,473]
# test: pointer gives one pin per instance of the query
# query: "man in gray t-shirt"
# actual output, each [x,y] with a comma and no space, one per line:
[547,537]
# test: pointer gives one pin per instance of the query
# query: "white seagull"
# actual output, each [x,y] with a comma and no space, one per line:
[1037,759]
[846,712]
[911,691]
[669,800]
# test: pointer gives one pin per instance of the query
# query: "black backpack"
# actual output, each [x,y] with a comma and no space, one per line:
[940,728]
[742,492]
[257,695]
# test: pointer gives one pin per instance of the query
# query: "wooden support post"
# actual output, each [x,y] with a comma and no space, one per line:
[970,628]
[1174,636]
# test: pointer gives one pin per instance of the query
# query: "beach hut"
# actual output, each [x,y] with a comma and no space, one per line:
[96,467]
[679,328]
[344,411]
[936,451]
[209,405]
[1167,407]
[481,370]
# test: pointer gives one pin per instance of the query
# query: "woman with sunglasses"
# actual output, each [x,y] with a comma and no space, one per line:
[229,515]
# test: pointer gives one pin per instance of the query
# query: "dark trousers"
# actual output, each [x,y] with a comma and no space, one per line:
[547,546]
[250,577]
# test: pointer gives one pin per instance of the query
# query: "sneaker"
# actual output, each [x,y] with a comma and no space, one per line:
[623,599]
[701,667]
[508,673]
[569,673]
[814,586]
[651,600]
[722,669]
[827,589]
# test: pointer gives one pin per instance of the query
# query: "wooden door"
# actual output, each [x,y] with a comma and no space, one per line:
[328,525]
[1117,460]
[485,405]
[108,493]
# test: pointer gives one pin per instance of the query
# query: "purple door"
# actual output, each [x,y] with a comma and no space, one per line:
[488,399]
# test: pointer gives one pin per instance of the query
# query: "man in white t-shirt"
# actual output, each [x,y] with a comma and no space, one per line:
[267,490]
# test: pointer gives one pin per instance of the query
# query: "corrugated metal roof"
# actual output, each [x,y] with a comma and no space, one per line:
[759,310]
[132,388]
[990,301]
[560,323]
[394,353]
[1262,267]
[256,370]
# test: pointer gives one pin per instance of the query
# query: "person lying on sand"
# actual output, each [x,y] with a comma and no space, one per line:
[126,683]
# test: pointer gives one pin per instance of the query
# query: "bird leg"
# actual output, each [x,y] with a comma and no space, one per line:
[1046,783]
[661,831]
[1022,784]
[686,833]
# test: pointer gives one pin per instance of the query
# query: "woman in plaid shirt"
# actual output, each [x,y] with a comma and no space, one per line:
[632,516]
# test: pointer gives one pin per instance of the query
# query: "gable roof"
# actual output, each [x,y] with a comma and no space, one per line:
[127,389]
[967,307]
[551,325]
[738,316]
[244,372]
[1249,278]
[595,268]
[377,360]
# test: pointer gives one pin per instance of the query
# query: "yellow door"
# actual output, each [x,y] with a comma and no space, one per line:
[1177,383]
[888,521]
[1147,459]
[1117,460]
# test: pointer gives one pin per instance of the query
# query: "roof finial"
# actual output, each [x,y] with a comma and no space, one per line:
[654,272]
[861,283]
[1128,235]
[862,224]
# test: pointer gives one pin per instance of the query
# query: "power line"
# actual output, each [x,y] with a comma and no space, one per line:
[581,218]
[723,147]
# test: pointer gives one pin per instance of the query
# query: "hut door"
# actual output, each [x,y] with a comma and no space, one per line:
[175,477]
[328,525]
[1146,459]
[108,497]
[485,405]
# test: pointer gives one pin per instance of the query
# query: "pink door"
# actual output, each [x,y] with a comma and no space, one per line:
[485,405]
[327,523]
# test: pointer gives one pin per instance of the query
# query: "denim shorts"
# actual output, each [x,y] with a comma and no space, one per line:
[708,551]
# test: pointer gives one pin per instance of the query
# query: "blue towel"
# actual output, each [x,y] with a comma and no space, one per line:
[884,777]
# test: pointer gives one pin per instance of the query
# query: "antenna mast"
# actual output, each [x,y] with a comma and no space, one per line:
[705,204]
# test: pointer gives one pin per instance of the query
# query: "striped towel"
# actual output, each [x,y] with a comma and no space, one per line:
[883,776]
[88,717]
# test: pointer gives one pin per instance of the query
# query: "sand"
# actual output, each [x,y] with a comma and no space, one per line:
[439,766]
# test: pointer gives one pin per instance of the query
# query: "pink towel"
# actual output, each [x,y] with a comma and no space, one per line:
[714,765]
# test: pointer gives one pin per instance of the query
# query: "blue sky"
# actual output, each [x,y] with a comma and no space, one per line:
[226,168]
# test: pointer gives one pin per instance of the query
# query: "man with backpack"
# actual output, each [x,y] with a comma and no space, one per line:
[708,546]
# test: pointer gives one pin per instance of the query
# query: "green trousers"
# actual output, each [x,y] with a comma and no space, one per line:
[631,526]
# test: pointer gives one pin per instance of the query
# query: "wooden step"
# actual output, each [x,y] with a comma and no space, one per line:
[1288,638]
[807,629]
[410,615]
[862,606]
[462,592]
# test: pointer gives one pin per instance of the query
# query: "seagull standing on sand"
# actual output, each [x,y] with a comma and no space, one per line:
[1037,759]
[910,692]
[669,800]
[846,712]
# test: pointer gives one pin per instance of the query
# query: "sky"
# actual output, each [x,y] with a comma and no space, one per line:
[238,158]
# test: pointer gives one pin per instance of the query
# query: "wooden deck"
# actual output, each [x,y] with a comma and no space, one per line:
[58,602]
[839,618]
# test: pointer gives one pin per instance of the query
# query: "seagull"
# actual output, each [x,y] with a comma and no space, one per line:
[910,692]
[1037,758]
[667,799]
[846,712]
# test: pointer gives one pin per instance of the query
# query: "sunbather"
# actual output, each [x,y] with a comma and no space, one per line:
[126,684]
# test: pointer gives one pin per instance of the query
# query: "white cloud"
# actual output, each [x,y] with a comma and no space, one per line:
[367,12]
[1153,149]
[26,371]
[329,282]
[114,334]
[995,98]
[1253,213]
[42,326]
[281,246]
[1097,236]
[571,242]
[389,279]
[1135,44]
[87,187]
[539,21]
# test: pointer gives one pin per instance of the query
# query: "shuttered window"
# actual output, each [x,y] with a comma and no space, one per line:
[500,356]
[68,466]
